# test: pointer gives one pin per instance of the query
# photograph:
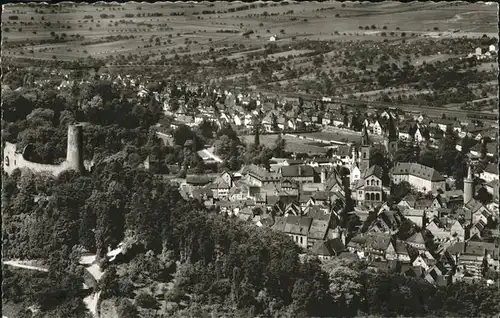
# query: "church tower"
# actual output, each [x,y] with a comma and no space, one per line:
[364,161]
[468,186]
[391,138]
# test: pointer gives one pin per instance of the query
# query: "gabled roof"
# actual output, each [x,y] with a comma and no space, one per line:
[318,229]
[491,168]
[374,170]
[332,180]
[298,225]
[416,238]
[342,151]
[473,205]
[378,241]
[321,195]
[297,171]
[410,199]
[317,212]
[279,224]
[423,204]
[480,248]
[400,247]
[328,248]
[417,170]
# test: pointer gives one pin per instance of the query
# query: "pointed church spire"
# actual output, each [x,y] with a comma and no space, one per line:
[365,141]
[392,129]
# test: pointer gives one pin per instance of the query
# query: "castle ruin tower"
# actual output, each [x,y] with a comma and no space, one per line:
[74,151]
[468,186]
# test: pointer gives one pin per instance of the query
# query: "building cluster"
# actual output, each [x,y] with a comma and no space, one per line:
[345,208]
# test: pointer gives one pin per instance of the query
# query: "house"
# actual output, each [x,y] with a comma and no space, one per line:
[438,275]
[317,231]
[343,153]
[477,229]
[297,227]
[457,229]
[300,173]
[417,241]
[239,191]
[377,127]
[423,178]
[443,124]
[259,176]
[327,119]
[197,181]
[398,250]
[417,216]
[490,173]
[477,254]
[424,260]
[408,202]
[269,122]
[421,135]
[493,188]
[325,250]
[337,120]
[406,131]
[376,244]
[477,211]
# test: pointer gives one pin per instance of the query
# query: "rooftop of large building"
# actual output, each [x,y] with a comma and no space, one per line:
[417,170]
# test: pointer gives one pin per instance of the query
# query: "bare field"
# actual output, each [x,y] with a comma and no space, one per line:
[300,20]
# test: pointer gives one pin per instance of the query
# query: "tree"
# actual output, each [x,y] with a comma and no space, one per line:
[344,285]
[428,158]
[484,196]
[448,151]
[108,284]
[279,150]
[405,153]
[146,301]
[467,144]
[125,309]
[223,147]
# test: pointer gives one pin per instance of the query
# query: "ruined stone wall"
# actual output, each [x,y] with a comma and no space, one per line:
[14,159]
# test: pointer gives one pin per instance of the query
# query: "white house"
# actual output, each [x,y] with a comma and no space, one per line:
[272,38]
[377,128]
[237,120]
[423,178]
[418,136]
[490,173]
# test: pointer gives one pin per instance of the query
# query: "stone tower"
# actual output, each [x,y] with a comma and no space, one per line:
[468,186]
[391,138]
[364,161]
[74,151]
[324,175]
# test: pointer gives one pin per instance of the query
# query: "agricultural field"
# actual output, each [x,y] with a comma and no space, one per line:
[321,48]
[68,30]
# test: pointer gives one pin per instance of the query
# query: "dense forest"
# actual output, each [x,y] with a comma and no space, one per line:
[213,262]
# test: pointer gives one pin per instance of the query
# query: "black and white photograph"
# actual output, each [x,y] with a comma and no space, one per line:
[250,159]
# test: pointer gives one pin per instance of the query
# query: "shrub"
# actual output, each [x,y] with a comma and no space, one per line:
[146,301]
